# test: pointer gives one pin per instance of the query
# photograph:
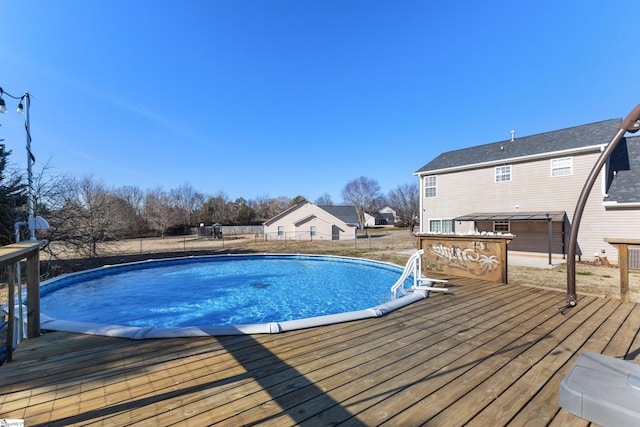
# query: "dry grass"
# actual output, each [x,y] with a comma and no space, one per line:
[602,281]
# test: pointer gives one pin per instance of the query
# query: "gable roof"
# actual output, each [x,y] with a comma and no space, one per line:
[590,135]
[285,212]
[346,214]
[624,169]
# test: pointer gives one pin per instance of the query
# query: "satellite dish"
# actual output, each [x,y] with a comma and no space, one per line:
[38,223]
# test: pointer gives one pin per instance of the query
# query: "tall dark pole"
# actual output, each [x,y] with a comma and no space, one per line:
[629,124]
[30,159]
[549,237]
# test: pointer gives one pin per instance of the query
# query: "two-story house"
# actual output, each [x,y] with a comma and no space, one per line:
[529,186]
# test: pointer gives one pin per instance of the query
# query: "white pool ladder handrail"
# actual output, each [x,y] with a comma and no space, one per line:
[420,282]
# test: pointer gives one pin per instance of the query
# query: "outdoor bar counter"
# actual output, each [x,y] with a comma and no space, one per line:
[480,256]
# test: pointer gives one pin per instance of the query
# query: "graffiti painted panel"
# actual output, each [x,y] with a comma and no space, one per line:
[465,256]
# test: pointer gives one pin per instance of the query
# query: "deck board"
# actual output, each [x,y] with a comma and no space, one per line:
[484,354]
[538,364]
[548,396]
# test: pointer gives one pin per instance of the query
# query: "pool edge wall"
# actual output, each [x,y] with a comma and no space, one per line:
[136,333]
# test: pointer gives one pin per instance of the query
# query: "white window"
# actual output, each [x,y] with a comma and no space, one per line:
[440,226]
[501,226]
[430,188]
[562,166]
[503,173]
[313,230]
[281,230]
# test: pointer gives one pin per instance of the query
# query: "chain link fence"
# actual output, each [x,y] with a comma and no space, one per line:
[401,240]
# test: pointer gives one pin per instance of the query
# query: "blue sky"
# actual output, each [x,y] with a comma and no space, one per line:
[286,98]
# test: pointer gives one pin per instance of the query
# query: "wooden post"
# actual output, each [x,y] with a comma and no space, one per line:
[33,294]
[623,263]
[9,255]
[11,283]
[504,268]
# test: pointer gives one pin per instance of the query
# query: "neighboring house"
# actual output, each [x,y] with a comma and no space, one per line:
[306,221]
[390,214]
[530,186]
[385,216]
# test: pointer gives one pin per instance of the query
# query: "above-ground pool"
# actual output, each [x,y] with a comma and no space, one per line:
[220,295]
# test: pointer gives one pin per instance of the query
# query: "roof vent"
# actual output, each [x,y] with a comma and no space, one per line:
[513,135]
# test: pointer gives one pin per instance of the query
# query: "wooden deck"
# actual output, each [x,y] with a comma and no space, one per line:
[486,354]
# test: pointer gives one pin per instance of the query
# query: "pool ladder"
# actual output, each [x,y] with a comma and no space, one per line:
[420,282]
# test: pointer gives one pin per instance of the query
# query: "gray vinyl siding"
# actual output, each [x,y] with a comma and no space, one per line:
[623,223]
[531,189]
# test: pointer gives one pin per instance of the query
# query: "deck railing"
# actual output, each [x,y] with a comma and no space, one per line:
[10,255]
[413,266]
[420,282]
[623,262]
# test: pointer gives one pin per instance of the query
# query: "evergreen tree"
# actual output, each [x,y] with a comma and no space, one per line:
[13,199]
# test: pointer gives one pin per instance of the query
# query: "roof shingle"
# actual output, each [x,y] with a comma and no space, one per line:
[593,134]
[347,214]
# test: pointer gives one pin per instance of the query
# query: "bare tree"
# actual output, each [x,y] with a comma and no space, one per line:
[324,200]
[187,199]
[364,194]
[278,205]
[405,200]
[133,195]
[51,193]
[133,203]
[90,215]
[161,212]
[260,207]
[218,209]
[48,190]
[264,207]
